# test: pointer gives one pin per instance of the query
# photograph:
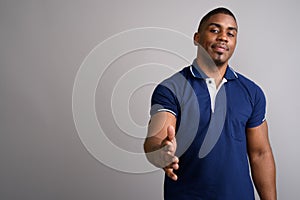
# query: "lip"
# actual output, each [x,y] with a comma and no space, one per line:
[220,48]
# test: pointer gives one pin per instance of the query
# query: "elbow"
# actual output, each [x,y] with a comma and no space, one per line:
[261,155]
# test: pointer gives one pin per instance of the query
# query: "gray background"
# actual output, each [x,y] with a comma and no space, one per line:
[42,45]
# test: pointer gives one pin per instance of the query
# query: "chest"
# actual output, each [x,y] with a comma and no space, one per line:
[233,99]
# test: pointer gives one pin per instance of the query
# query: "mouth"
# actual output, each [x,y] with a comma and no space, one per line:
[220,48]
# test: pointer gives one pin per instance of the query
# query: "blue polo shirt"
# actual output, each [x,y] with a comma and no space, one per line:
[222,173]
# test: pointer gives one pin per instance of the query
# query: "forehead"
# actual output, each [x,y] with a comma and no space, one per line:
[223,20]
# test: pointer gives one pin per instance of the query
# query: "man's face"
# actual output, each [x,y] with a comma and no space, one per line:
[218,37]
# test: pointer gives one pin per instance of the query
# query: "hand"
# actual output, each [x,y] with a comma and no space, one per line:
[168,157]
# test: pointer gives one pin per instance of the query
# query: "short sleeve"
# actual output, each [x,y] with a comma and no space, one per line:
[258,115]
[164,100]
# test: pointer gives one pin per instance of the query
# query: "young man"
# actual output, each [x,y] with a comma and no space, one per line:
[218,117]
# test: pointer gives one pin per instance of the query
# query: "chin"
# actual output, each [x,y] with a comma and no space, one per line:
[219,62]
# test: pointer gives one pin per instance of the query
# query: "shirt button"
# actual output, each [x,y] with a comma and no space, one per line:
[209,81]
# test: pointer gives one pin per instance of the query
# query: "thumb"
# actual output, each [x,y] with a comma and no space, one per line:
[171,133]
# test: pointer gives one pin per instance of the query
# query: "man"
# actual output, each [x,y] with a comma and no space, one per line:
[218,117]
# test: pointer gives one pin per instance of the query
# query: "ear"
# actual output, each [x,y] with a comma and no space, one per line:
[196,39]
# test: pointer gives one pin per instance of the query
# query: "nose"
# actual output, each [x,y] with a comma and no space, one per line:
[222,36]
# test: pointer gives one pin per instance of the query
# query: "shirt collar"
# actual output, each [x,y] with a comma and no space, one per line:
[196,71]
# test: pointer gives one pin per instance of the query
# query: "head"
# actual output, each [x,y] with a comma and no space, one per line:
[217,35]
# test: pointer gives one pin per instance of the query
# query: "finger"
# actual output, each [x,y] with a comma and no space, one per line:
[171,133]
[169,147]
[163,159]
[168,157]
[175,166]
[171,174]
[175,160]
[170,163]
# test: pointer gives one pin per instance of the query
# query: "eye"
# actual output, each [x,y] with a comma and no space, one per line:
[214,31]
[230,34]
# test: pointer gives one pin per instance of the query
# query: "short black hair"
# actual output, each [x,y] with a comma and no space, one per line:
[215,11]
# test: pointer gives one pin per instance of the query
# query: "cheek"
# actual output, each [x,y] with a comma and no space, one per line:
[233,43]
[206,40]
[206,44]
[232,46]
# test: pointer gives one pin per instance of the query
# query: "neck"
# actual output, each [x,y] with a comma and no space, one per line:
[212,70]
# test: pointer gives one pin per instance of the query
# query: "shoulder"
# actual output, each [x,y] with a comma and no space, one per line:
[167,94]
[184,73]
[253,89]
[247,82]
[176,81]
[175,87]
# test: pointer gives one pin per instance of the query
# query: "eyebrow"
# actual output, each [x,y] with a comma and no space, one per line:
[219,26]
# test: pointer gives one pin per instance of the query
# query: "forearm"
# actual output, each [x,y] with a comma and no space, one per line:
[151,147]
[157,133]
[264,175]
[152,144]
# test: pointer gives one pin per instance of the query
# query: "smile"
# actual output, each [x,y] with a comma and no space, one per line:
[220,48]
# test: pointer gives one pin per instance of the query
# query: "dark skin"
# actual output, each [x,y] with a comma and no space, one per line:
[216,42]
[160,145]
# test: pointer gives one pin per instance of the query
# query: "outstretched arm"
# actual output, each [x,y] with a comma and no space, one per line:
[262,161]
[160,144]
